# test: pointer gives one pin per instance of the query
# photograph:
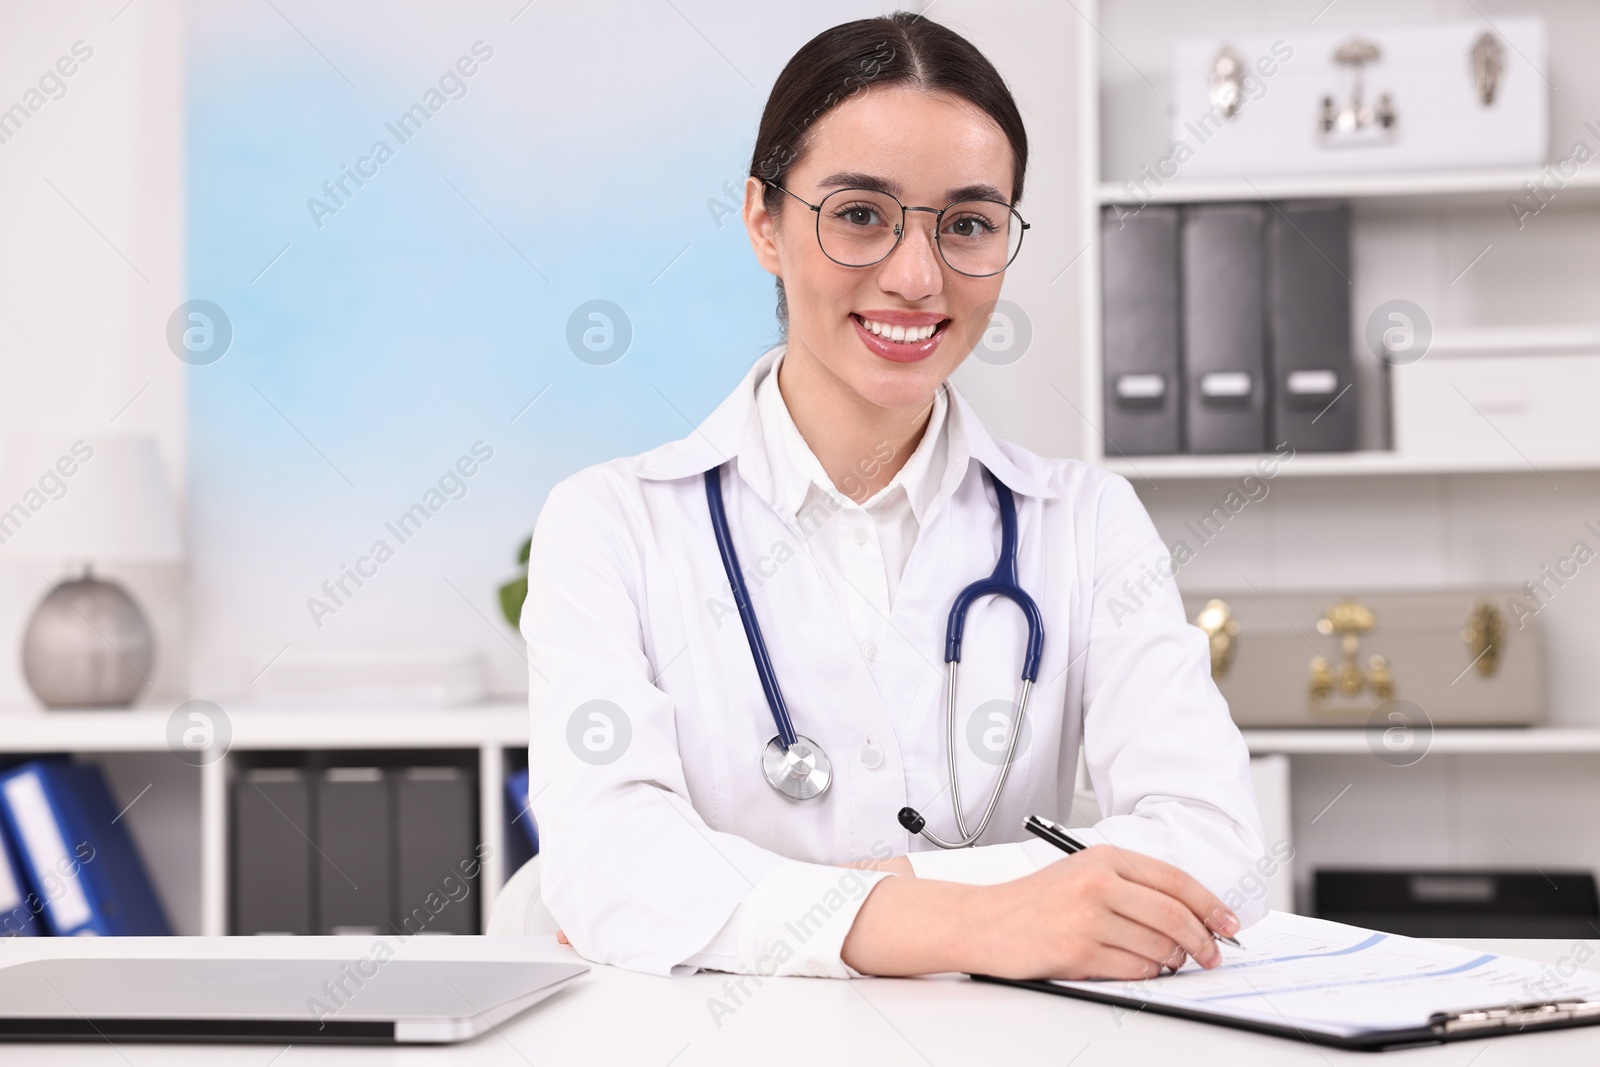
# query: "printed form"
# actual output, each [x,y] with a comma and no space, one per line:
[1316,975]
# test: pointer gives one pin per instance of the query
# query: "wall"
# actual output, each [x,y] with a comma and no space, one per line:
[90,268]
[383,329]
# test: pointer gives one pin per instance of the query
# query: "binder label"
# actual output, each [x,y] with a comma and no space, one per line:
[41,837]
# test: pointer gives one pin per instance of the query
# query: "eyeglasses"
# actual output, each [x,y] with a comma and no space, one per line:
[860,227]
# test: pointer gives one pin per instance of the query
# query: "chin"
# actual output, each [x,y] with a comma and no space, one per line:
[897,385]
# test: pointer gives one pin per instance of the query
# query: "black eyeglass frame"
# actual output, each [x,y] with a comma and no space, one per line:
[900,229]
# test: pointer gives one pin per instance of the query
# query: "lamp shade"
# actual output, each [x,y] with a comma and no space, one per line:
[90,498]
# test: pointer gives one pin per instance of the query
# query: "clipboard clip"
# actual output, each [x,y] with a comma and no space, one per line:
[1515,1016]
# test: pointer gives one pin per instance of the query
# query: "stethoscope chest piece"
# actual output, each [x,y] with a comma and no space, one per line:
[800,771]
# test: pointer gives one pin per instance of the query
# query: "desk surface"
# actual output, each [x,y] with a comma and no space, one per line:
[611,1016]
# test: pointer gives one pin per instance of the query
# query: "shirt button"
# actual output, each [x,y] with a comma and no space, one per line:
[871,756]
[871,652]
[861,535]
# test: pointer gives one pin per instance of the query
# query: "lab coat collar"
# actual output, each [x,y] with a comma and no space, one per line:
[733,430]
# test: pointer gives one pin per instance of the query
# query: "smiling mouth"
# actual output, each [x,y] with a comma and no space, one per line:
[904,335]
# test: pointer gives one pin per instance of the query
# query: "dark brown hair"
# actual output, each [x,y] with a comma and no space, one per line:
[899,49]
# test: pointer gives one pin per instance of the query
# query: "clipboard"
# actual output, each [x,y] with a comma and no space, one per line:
[1350,988]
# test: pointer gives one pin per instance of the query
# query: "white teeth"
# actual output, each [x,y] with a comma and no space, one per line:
[902,334]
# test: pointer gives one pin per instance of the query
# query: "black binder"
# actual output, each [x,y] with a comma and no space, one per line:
[435,810]
[353,837]
[1224,336]
[1140,300]
[1308,326]
[271,848]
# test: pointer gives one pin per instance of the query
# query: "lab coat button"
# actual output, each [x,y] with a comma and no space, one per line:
[871,652]
[861,535]
[871,756]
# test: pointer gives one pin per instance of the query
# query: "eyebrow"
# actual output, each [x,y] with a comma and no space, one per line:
[859,180]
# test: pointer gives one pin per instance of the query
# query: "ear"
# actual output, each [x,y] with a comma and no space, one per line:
[762,226]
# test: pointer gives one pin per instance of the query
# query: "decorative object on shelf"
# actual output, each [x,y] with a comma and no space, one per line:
[1427,648]
[1222,630]
[1227,83]
[514,592]
[92,500]
[1349,620]
[1357,122]
[1523,396]
[1488,65]
[1426,113]
[1485,634]
[374,677]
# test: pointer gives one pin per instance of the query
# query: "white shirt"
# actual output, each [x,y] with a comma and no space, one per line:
[663,846]
[861,545]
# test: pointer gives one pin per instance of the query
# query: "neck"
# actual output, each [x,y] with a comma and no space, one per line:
[860,445]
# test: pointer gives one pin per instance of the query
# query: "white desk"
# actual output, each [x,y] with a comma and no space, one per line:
[617,1017]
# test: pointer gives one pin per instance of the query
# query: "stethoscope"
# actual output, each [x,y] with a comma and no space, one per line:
[795,765]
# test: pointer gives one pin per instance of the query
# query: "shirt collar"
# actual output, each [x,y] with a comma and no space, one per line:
[733,432]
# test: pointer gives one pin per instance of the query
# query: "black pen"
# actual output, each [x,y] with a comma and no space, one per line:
[1048,831]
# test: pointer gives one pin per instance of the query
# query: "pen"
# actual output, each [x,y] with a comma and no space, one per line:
[1048,831]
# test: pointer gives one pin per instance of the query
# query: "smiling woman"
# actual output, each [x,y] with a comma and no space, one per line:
[882,196]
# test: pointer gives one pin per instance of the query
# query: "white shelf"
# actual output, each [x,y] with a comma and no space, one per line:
[141,730]
[1532,740]
[1333,465]
[1488,186]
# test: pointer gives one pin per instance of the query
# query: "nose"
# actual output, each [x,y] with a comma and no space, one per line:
[914,270]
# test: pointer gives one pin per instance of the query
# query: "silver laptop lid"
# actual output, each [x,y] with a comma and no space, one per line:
[267,999]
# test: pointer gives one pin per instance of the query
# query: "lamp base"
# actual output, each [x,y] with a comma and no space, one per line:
[87,646]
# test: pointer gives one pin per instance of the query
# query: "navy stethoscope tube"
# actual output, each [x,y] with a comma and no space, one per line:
[741,597]
[795,765]
[1003,582]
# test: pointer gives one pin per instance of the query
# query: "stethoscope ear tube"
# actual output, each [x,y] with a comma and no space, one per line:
[1002,582]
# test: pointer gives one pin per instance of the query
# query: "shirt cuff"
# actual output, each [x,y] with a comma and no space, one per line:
[792,922]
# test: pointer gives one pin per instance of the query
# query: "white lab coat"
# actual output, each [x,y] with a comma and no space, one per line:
[655,819]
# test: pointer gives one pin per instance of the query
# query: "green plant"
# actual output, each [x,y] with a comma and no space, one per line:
[514,592]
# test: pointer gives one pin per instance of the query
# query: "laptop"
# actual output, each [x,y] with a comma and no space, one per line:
[269,1000]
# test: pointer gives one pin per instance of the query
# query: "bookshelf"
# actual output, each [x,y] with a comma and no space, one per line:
[1374,518]
[1399,211]
[494,732]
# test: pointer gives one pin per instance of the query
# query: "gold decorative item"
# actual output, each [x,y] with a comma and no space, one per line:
[1349,620]
[1485,635]
[1217,620]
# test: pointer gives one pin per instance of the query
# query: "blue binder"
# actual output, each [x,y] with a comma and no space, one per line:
[517,794]
[76,857]
[18,915]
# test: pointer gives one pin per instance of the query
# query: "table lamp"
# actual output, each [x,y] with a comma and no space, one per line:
[79,502]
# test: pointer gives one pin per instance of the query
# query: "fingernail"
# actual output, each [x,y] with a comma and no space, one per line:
[1230,923]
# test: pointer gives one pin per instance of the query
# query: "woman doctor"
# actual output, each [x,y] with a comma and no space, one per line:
[860,494]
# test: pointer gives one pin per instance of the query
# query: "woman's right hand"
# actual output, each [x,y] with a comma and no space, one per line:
[1104,912]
